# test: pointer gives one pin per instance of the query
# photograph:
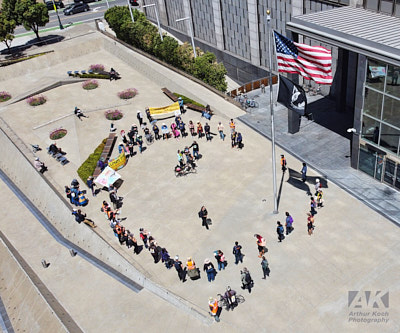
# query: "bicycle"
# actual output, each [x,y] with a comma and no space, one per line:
[149,139]
[251,103]
[236,300]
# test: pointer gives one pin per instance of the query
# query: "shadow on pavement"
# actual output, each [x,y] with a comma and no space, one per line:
[324,114]
[18,51]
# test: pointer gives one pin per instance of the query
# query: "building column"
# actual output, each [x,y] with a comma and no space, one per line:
[358,104]
[254,32]
[162,11]
[219,31]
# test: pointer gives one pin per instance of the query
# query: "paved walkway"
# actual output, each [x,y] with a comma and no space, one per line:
[325,151]
[310,276]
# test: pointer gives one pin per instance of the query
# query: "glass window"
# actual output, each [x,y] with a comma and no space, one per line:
[391,111]
[397,9]
[376,73]
[393,81]
[373,103]
[367,160]
[389,138]
[370,129]
[386,7]
[390,168]
[379,166]
[371,4]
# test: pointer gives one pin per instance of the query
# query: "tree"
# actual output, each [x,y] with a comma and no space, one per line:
[116,17]
[6,30]
[167,50]
[8,9]
[32,15]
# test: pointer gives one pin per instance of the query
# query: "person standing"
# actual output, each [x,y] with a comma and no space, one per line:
[237,251]
[221,131]
[196,149]
[199,130]
[260,244]
[317,186]
[90,183]
[207,131]
[320,201]
[280,231]
[139,141]
[219,256]
[203,215]
[264,266]
[283,163]
[313,205]
[239,140]
[180,158]
[310,224]
[179,268]
[232,126]
[233,139]
[209,269]
[247,281]
[304,172]
[144,236]
[191,127]
[139,116]
[289,223]
[215,310]
[180,101]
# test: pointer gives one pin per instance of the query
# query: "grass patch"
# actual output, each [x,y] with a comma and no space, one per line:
[87,168]
[187,100]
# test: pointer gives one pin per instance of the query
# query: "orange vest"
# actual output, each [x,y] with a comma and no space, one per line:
[283,161]
[190,264]
[213,307]
[232,125]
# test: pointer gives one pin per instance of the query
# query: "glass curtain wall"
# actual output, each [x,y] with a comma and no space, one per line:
[380,132]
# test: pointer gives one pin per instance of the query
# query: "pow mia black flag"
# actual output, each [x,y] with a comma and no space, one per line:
[292,96]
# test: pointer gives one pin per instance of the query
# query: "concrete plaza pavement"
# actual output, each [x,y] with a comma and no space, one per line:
[353,247]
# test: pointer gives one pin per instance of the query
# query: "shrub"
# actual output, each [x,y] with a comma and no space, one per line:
[188,100]
[143,35]
[97,68]
[94,76]
[128,93]
[4,96]
[90,84]
[87,168]
[58,133]
[36,100]
[113,114]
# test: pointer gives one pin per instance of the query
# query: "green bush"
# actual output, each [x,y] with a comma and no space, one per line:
[187,100]
[144,35]
[87,168]
[93,76]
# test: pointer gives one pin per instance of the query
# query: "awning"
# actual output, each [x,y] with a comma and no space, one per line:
[356,29]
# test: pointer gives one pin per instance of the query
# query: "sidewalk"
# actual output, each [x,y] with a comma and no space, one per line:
[313,145]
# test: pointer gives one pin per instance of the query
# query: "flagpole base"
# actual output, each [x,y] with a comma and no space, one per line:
[275,212]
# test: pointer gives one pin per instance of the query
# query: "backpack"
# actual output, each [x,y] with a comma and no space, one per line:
[248,277]
[280,228]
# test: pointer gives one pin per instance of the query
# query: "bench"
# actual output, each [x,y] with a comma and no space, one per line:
[59,157]
[170,94]
[107,151]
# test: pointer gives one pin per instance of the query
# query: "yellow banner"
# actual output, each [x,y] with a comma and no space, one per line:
[166,109]
[118,163]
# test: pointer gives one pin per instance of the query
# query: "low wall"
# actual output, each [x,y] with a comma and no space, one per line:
[25,306]
[56,210]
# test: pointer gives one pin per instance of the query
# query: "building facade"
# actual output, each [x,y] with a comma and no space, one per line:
[365,43]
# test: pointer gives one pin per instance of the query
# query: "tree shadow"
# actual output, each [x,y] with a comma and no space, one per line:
[19,50]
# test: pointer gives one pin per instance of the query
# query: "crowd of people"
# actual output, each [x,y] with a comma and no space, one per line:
[186,156]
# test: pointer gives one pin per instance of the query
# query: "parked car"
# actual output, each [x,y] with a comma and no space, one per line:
[49,4]
[76,8]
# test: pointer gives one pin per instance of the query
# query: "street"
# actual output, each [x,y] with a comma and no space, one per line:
[97,10]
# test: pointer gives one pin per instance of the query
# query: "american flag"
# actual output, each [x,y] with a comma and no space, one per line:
[311,62]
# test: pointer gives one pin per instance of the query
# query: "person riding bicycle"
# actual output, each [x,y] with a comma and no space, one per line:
[230,297]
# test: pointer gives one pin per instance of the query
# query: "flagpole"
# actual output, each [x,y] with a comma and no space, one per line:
[271,104]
